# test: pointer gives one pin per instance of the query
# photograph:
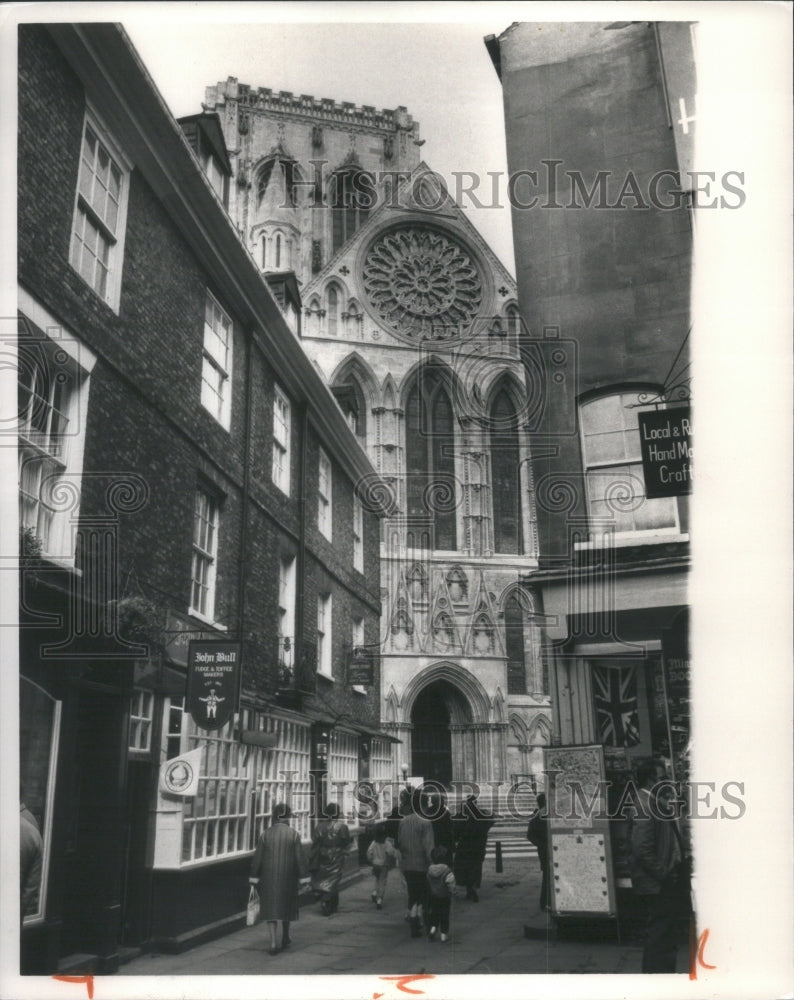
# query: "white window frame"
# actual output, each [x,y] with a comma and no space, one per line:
[216,361]
[204,555]
[281,773]
[627,399]
[87,210]
[343,774]
[325,635]
[325,496]
[141,721]
[358,535]
[215,822]
[357,639]
[282,418]
[57,452]
[286,610]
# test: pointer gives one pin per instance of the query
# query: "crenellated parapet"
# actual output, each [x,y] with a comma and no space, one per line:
[337,113]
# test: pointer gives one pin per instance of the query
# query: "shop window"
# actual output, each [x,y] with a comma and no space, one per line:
[216,368]
[613,466]
[281,773]
[343,773]
[99,216]
[215,820]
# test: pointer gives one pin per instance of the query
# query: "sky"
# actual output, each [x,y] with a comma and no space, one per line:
[441,72]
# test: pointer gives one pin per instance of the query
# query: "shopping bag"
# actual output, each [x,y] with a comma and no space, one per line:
[252,912]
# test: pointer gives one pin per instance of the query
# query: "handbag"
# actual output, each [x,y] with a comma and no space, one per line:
[252,911]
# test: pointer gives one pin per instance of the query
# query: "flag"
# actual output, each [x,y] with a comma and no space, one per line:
[180,775]
[617,715]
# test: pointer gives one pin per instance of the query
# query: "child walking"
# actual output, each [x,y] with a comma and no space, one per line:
[442,885]
[382,855]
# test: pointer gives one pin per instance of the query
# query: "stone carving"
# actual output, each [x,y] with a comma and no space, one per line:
[422,283]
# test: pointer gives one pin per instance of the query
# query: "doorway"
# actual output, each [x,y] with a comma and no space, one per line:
[431,758]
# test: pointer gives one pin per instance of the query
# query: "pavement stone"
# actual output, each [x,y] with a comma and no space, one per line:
[486,938]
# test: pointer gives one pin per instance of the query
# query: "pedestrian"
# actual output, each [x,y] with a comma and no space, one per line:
[538,834]
[415,841]
[441,883]
[277,868]
[435,809]
[383,856]
[330,842]
[30,851]
[659,868]
[471,838]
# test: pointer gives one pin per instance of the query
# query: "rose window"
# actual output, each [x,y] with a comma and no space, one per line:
[422,283]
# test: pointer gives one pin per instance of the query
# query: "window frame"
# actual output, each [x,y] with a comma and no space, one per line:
[325,609]
[357,639]
[65,357]
[208,556]
[633,465]
[84,210]
[325,486]
[287,593]
[280,465]
[141,721]
[223,412]
[358,534]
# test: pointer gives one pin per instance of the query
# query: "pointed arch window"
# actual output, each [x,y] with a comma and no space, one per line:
[514,646]
[351,199]
[333,310]
[505,475]
[430,461]
[286,169]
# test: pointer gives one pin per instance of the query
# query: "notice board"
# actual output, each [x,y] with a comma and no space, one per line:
[580,851]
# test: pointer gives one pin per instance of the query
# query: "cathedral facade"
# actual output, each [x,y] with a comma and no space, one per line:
[414,324]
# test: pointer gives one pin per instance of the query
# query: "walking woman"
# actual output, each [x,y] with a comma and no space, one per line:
[470,844]
[415,840]
[277,867]
[330,842]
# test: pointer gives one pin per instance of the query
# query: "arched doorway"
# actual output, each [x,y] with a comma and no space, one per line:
[436,706]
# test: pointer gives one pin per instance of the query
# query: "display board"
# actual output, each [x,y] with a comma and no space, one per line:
[580,852]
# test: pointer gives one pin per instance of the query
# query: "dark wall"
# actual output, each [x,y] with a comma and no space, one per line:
[614,281]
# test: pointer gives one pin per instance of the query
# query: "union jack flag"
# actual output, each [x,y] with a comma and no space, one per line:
[615,696]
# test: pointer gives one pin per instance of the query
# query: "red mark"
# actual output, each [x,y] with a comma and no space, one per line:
[696,950]
[88,980]
[402,982]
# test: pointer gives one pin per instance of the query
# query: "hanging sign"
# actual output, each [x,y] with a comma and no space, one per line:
[213,669]
[666,443]
[361,666]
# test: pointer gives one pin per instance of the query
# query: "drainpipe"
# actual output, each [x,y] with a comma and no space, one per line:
[242,561]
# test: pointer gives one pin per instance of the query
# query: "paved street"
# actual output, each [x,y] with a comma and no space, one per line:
[486,937]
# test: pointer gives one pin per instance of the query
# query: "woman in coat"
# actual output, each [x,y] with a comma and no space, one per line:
[330,842]
[277,868]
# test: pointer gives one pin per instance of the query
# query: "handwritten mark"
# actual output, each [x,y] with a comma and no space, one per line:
[402,983]
[696,953]
[88,980]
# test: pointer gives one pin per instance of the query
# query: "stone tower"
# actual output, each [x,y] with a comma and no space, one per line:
[415,325]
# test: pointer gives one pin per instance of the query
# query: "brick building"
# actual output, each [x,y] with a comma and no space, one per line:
[185,473]
[414,324]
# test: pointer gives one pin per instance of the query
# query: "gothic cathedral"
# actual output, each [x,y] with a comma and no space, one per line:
[414,323]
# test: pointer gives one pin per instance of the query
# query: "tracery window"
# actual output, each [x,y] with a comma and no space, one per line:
[505,475]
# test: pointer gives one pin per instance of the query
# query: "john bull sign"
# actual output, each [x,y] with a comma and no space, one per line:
[666,442]
[213,670]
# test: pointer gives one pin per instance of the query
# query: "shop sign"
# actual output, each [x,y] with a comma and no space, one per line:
[666,444]
[361,666]
[213,670]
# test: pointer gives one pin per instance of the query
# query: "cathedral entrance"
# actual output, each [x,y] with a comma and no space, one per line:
[431,740]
